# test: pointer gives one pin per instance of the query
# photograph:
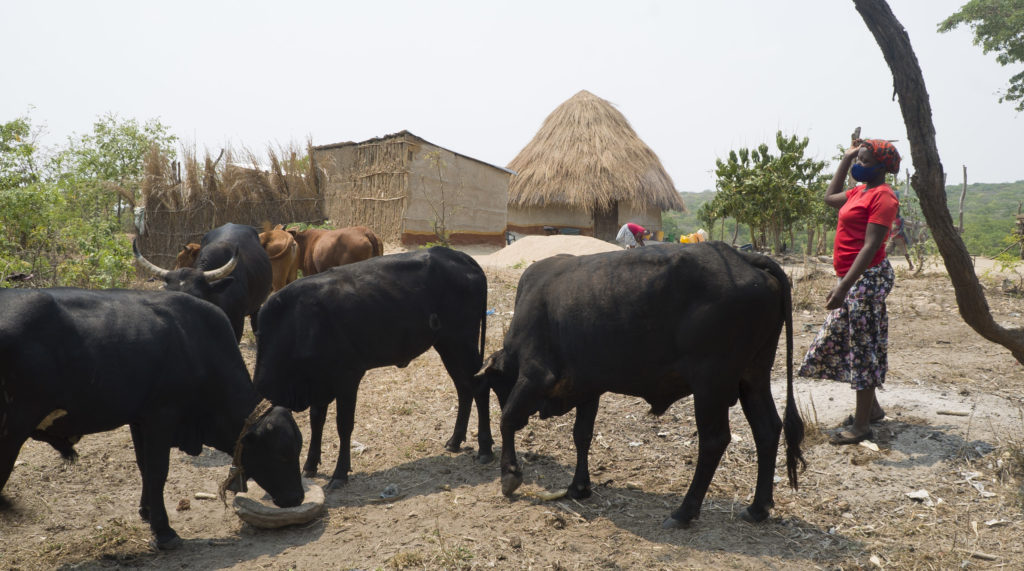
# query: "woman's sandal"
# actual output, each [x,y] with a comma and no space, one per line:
[877,419]
[847,437]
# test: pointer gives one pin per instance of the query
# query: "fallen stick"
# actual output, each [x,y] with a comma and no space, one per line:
[979,554]
[953,413]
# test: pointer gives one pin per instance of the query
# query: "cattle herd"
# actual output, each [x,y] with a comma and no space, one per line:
[167,364]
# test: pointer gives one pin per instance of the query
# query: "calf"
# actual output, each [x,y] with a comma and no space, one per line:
[711,318]
[320,335]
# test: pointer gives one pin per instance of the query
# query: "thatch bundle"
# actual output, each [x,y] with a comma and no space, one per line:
[586,156]
[182,207]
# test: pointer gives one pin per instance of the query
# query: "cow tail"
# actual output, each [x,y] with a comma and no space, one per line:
[792,424]
[483,327]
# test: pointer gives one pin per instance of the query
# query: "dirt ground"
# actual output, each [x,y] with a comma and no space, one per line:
[952,438]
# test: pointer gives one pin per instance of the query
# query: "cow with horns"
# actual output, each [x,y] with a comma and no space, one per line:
[231,270]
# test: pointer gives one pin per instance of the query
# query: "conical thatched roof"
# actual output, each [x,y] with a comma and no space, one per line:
[586,156]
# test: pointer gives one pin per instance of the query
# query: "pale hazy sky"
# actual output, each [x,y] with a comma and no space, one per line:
[695,79]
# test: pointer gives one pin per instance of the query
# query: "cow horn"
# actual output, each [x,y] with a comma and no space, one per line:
[147,265]
[221,272]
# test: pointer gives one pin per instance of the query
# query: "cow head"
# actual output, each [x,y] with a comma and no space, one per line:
[197,283]
[270,455]
[187,256]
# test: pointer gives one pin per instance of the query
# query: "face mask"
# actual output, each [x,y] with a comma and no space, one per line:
[862,173]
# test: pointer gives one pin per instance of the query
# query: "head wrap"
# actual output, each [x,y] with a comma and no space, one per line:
[885,152]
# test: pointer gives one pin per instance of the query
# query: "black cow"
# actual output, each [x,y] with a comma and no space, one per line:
[660,324]
[239,289]
[320,334]
[75,362]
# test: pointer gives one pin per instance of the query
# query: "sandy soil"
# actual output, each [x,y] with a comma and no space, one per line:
[953,430]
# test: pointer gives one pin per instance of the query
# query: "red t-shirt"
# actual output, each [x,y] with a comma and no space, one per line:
[636,229]
[876,206]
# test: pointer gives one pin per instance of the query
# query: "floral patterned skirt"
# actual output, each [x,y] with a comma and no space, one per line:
[852,345]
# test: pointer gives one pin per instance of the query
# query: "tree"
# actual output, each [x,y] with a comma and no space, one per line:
[928,180]
[770,193]
[997,26]
[18,154]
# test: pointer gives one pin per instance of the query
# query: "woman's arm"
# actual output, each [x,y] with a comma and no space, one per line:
[835,195]
[874,237]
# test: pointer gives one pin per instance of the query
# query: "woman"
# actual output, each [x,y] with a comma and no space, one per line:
[631,235]
[852,343]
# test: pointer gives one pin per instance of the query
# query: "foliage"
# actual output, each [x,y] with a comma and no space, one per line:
[997,26]
[60,224]
[17,154]
[769,193]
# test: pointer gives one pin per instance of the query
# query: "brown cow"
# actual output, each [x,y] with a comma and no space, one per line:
[284,254]
[323,249]
[187,256]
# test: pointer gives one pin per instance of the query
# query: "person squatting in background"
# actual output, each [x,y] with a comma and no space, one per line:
[631,235]
[852,344]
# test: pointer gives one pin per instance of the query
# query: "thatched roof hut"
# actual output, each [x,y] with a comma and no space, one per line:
[587,171]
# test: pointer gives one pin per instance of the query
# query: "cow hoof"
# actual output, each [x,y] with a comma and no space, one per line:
[168,543]
[453,446]
[485,458]
[510,482]
[673,523]
[335,484]
[578,492]
[751,515]
[309,473]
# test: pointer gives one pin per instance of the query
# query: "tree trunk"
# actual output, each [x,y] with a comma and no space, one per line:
[928,181]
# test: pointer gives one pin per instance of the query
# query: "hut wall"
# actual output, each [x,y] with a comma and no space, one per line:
[648,217]
[471,196]
[533,220]
[366,185]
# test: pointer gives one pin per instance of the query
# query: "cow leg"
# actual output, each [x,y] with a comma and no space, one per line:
[462,363]
[520,404]
[155,461]
[713,437]
[139,444]
[582,435]
[317,419]
[346,413]
[10,445]
[485,441]
[759,408]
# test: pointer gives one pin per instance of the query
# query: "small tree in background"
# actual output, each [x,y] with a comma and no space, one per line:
[770,193]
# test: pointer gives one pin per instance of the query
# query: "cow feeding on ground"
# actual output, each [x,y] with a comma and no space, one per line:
[76,362]
[711,318]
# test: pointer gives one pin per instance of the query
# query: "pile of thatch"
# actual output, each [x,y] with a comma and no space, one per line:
[586,156]
[183,201]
